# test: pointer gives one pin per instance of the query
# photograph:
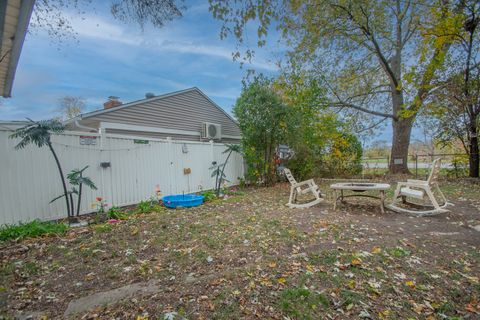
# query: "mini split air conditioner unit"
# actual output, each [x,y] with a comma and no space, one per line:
[211,131]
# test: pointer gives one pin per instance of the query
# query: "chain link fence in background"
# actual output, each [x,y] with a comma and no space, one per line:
[453,165]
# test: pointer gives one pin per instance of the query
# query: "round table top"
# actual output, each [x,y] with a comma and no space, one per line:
[363,186]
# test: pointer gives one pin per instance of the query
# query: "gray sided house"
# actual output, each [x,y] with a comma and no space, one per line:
[182,115]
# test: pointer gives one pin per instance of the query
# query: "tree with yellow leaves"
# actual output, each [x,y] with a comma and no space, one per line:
[368,53]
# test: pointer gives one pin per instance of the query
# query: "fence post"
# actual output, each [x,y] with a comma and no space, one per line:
[171,172]
[104,191]
[363,168]
[213,155]
[416,166]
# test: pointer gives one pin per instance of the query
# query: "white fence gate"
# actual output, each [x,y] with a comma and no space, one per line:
[29,178]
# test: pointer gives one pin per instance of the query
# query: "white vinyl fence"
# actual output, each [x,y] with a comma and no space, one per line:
[29,178]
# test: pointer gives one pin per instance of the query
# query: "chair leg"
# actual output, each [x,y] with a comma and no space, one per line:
[432,198]
[382,201]
[292,196]
[396,194]
[335,199]
[317,193]
[445,201]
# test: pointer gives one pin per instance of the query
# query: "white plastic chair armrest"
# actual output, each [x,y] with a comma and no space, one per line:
[402,184]
[303,183]
[417,181]
[411,184]
[310,181]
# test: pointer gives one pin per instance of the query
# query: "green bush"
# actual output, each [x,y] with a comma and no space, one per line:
[345,156]
[340,156]
[31,229]
[146,206]
[460,166]
[208,195]
[101,228]
[116,213]
[242,184]
[265,121]
[304,165]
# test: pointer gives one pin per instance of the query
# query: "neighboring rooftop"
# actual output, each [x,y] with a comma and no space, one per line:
[117,105]
[11,125]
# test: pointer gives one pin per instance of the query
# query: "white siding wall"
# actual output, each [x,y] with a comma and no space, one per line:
[29,178]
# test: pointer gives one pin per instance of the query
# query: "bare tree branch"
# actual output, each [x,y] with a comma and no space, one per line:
[372,112]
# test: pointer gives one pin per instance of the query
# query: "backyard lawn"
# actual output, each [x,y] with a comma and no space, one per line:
[250,256]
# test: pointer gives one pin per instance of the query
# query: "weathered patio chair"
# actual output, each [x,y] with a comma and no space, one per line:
[300,188]
[421,189]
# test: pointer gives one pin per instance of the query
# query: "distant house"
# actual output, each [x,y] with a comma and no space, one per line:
[182,115]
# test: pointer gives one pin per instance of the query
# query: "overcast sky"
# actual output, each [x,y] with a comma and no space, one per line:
[108,57]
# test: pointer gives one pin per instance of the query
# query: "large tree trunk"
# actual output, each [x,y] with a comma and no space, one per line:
[402,129]
[474,158]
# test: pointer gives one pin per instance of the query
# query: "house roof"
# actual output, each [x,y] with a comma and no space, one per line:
[11,125]
[134,103]
[14,19]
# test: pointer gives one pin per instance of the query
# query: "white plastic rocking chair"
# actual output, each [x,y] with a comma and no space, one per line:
[421,189]
[296,188]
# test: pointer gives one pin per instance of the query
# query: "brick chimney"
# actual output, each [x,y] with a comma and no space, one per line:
[112,102]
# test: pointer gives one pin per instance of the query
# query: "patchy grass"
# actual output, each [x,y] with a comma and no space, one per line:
[301,303]
[250,257]
[32,229]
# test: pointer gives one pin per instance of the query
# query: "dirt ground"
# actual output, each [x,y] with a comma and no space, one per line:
[251,257]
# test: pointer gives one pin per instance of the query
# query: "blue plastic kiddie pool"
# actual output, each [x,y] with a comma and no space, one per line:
[182,200]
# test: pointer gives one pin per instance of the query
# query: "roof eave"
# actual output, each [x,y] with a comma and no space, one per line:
[126,105]
[216,105]
[163,96]
[26,10]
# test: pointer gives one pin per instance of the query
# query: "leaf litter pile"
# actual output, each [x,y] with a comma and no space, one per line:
[251,257]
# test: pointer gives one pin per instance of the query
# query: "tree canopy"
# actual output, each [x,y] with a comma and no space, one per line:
[264,120]
[271,114]
[70,107]
[455,98]
[52,15]
[368,54]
